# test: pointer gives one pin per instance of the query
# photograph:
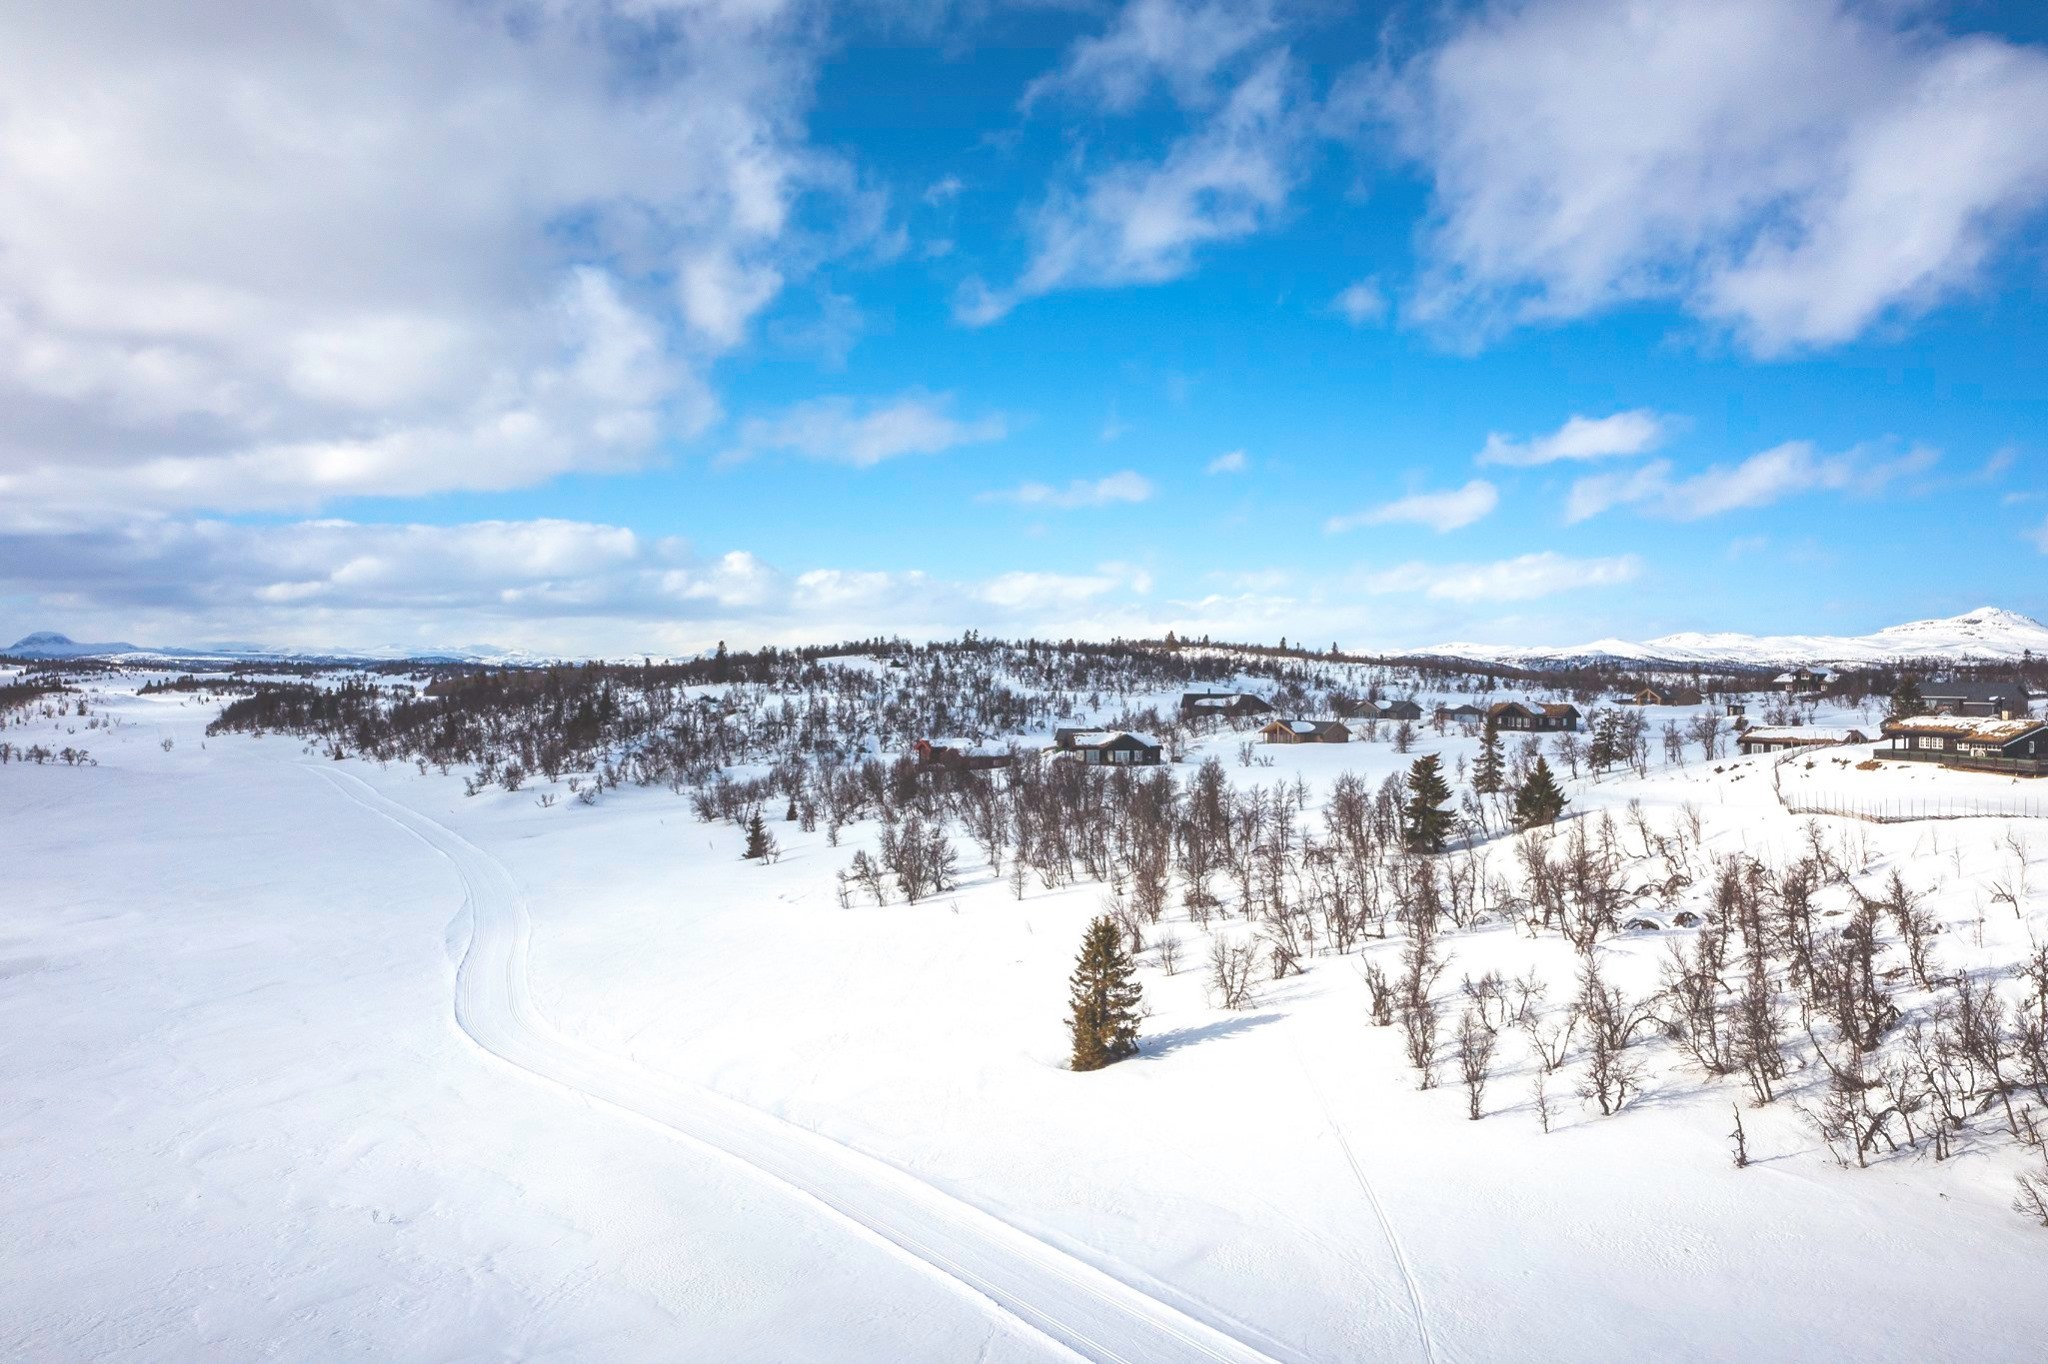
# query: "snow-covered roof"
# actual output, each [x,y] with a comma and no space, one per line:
[1965,727]
[1096,738]
[1309,726]
[1804,734]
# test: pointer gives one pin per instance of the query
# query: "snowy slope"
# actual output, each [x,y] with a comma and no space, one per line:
[310,1059]
[1984,634]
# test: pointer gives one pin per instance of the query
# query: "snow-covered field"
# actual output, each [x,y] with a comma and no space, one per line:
[312,1060]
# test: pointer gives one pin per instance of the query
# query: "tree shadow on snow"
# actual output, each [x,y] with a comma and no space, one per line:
[1165,1043]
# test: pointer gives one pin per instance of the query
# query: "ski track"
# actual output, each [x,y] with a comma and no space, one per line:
[1424,1334]
[1072,1303]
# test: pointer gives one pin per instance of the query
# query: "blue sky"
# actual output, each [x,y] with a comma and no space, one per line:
[620,326]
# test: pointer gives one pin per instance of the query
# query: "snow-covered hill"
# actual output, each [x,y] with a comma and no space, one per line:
[1987,633]
[50,644]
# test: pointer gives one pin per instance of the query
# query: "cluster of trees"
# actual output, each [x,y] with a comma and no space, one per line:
[681,724]
[43,753]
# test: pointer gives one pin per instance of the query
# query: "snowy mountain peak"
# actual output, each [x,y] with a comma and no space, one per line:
[50,644]
[1988,633]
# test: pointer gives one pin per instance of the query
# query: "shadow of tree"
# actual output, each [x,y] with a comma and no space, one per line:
[1162,1044]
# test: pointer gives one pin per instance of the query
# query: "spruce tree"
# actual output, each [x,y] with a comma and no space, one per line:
[1906,699]
[759,842]
[1429,824]
[1106,999]
[1487,773]
[1539,801]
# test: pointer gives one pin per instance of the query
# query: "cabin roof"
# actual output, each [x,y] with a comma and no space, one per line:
[1964,727]
[1804,734]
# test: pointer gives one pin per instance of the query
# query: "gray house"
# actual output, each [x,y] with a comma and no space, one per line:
[1109,747]
[2005,700]
[1544,718]
[1224,703]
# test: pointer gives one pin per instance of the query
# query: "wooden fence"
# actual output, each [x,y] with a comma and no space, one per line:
[1909,810]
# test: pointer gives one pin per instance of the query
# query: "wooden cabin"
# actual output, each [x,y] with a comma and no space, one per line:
[1307,732]
[1228,704]
[1664,696]
[960,755]
[1763,739]
[1543,718]
[1110,747]
[1803,681]
[1983,743]
[2005,700]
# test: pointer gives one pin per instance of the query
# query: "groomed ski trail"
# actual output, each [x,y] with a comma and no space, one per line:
[1425,1334]
[1082,1308]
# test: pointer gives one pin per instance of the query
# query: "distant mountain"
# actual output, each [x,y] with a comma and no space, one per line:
[1987,634]
[50,644]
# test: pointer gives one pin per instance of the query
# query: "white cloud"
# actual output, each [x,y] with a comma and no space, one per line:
[553,587]
[1231,462]
[2040,538]
[845,431]
[1782,471]
[1795,169]
[1184,45]
[1143,222]
[1581,438]
[378,248]
[1441,512]
[1125,487]
[565,589]
[1360,303]
[1523,578]
[1046,591]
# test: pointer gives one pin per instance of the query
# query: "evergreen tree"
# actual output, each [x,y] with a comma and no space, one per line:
[1429,824]
[1539,801]
[1106,999]
[1906,697]
[1604,750]
[1488,775]
[760,843]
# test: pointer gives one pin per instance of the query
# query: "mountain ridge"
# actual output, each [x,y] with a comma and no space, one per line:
[1987,634]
